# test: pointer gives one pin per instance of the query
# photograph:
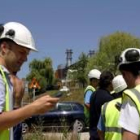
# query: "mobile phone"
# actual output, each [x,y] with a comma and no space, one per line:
[58,94]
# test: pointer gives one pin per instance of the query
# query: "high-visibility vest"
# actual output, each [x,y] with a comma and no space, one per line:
[134,94]
[86,111]
[110,115]
[5,134]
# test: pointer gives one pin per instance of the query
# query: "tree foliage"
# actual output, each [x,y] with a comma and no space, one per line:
[42,71]
[110,47]
[81,66]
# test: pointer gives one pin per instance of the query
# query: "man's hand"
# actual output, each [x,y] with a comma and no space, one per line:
[44,104]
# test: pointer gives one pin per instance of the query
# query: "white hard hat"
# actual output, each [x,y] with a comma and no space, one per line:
[128,56]
[19,34]
[94,74]
[119,83]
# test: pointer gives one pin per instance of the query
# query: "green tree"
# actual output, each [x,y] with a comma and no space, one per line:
[81,66]
[110,47]
[42,71]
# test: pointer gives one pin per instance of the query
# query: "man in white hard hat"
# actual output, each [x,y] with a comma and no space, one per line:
[93,76]
[16,41]
[129,66]
[108,127]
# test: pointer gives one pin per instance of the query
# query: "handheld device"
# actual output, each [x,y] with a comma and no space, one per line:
[58,94]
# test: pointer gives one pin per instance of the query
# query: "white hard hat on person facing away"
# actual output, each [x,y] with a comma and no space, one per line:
[94,73]
[18,33]
[119,83]
[128,56]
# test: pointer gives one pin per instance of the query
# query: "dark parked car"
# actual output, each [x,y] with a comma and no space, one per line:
[65,114]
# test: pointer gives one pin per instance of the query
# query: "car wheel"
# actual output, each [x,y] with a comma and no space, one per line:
[25,128]
[78,125]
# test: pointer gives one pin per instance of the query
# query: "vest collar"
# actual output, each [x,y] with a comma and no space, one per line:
[5,69]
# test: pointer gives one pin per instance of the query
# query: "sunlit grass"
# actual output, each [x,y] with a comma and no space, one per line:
[53,134]
[74,95]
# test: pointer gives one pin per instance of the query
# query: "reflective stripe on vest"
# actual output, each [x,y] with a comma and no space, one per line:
[5,134]
[110,116]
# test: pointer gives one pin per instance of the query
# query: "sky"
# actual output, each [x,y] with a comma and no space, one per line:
[58,25]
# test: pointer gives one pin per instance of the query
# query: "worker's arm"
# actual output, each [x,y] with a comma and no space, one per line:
[101,128]
[129,119]
[41,105]
[127,135]
[87,98]
[101,134]
[87,105]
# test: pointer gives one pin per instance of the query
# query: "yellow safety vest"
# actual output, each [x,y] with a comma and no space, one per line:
[5,134]
[134,94]
[110,115]
[86,111]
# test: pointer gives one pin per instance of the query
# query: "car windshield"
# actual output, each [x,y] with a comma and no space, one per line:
[67,107]
[64,107]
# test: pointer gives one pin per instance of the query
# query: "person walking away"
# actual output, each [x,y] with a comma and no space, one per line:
[108,128]
[100,96]
[93,77]
[129,66]
[16,42]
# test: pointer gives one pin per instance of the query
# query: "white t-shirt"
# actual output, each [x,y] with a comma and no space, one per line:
[129,116]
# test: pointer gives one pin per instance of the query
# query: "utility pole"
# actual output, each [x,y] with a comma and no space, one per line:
[91,53]
[69,53]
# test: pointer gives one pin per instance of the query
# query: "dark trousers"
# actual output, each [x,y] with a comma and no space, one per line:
[18,132]
[94,134]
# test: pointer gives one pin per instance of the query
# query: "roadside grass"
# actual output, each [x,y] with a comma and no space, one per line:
[74,95]
[52,134]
